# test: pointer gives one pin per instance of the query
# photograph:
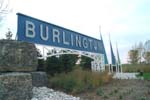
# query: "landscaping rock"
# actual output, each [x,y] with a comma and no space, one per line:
[15,86]
[17,56]
[39,79]
[125,76]
[44,93]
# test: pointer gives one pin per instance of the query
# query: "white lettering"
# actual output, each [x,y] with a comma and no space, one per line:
[64,39]
[72,39]
[99,46]
[85,44]
[78,41]
[95,45]
[56,35]
[42,33]
[90,43]
[30,29]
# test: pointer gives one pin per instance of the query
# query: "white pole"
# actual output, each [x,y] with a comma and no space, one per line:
[121,68]
[116,68]
[109,68]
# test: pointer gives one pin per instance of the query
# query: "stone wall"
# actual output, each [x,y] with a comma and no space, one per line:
[18,66]
[17,56]
[15,86]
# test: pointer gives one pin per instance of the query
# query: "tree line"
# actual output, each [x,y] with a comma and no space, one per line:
[63,63]
[140,53]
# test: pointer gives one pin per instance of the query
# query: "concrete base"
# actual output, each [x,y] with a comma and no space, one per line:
[39,79]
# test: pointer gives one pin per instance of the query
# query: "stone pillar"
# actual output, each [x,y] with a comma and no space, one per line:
[17,56]
[17,61]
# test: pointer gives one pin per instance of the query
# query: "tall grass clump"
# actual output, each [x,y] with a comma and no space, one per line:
[79,80]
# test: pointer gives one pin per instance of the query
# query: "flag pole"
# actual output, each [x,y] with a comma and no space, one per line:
[117,64]
[113,58]
[110,65]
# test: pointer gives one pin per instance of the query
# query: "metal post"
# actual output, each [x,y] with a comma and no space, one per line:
[109,68]
[117,68]
[121,68]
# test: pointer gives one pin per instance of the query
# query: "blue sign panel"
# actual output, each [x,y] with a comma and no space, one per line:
[40,32]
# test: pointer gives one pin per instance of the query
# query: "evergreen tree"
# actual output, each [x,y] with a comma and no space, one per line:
[52,65]
[86,62]
[68,62]
[63,63]
[41,65]
[9,35]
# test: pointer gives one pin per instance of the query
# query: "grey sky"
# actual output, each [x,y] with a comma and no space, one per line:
[127,21]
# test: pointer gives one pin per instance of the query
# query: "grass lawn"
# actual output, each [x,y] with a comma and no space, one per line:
[146,76]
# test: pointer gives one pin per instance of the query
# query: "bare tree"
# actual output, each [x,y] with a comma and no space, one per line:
[147,46]
[146,56]
[140,49]
[133,56]
[4,8]
[140,53]
[146,53]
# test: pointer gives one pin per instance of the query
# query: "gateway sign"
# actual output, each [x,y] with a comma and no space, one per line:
[40,32]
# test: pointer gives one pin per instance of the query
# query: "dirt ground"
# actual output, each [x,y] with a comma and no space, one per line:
[120,90]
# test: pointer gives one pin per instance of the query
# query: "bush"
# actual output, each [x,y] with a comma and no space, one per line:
[99,92]
[146,76]
[78,81]
[79,88]
[69,85]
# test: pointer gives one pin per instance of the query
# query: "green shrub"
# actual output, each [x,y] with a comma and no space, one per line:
[143,98]
[79,88]
[105,97]
[120,97]
[116,91]
[99,92]
[69,85]
[146,76]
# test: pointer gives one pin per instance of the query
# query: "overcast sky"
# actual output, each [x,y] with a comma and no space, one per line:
[127,21]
